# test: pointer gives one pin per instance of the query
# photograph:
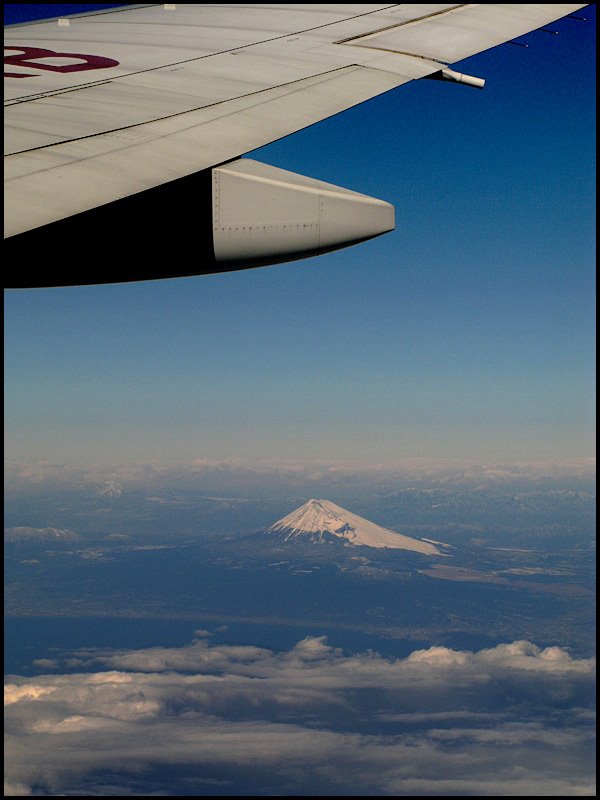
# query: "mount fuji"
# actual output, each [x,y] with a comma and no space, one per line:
[320,520]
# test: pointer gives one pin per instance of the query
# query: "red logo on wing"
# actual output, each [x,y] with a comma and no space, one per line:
[33,57]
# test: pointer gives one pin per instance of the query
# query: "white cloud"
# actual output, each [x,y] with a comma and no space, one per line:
[13,694]
[508,720]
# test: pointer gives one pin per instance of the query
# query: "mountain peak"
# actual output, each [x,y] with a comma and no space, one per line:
[319,520]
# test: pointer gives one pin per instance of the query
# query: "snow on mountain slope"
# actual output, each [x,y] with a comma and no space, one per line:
[27,535]
[318,519]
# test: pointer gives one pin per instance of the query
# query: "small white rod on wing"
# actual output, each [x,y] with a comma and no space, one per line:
[457,77]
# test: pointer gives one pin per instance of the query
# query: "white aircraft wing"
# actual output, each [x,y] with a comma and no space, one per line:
[110,105]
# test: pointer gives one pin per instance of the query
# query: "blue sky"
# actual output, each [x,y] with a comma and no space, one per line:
[467,333]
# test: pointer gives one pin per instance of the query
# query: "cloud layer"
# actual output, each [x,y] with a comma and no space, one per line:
[233,720]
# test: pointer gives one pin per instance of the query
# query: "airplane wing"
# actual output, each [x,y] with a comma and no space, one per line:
[142,113]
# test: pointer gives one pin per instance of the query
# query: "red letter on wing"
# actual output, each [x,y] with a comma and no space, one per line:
[28,56]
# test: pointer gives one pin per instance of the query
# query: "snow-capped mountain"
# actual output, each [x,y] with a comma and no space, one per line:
[27,535]
[318,520]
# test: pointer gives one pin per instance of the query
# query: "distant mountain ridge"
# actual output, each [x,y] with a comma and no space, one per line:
[28,535]
[318,520]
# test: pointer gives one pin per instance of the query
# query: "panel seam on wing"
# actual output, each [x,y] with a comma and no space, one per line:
[328,73]
[30,98]
[404,23]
